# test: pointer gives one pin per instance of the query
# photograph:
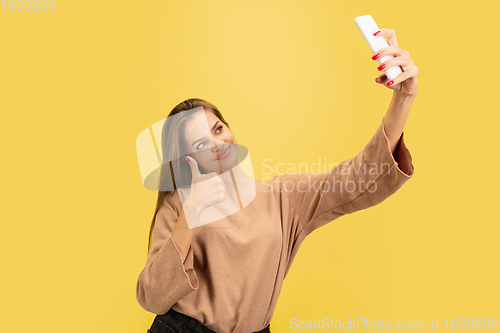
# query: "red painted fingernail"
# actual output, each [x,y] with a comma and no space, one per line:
[375,34]
[187,159]
[390,83]
[375,57]
[381,67]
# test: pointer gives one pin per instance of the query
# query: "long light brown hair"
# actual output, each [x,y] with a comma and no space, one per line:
[173,145]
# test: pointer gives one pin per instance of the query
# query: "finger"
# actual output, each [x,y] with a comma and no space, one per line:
[390,34]
[194,166]
[394,50]
[382,78]
[213,174]
[405,75]
[405,63]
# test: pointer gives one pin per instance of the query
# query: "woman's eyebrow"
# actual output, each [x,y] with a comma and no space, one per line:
[203,138]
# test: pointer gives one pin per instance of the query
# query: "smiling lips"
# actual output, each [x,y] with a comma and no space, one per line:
[225,153]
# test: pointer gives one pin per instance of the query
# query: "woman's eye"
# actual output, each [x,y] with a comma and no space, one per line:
[204,143]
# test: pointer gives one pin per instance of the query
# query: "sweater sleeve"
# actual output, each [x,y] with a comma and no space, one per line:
[165,278]
[357,183]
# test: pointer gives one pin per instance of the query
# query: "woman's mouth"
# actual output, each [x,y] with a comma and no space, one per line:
[225,153]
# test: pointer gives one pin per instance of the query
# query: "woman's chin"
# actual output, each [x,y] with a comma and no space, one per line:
[228,163]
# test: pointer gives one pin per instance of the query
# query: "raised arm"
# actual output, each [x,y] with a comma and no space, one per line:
[396,116]
[404,86]
[360,182]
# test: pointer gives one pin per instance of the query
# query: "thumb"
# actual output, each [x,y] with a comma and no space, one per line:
[194,166]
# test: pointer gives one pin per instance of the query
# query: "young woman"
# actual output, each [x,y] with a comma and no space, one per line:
[226,276]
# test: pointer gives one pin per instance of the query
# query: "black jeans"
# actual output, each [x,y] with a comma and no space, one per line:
[176,322]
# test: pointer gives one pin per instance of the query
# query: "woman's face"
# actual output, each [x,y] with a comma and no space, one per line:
[210,142]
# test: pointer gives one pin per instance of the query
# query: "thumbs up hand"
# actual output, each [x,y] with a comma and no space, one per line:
[206,189]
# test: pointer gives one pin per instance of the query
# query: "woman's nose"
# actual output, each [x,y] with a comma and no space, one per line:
[219,145]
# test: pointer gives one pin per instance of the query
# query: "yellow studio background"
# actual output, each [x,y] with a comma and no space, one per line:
[296,82]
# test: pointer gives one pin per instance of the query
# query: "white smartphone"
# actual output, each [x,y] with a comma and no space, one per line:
[367,26]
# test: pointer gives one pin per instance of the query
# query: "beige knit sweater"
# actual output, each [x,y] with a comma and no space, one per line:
[235,267]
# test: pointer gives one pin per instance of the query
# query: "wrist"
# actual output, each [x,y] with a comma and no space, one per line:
[405,97]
